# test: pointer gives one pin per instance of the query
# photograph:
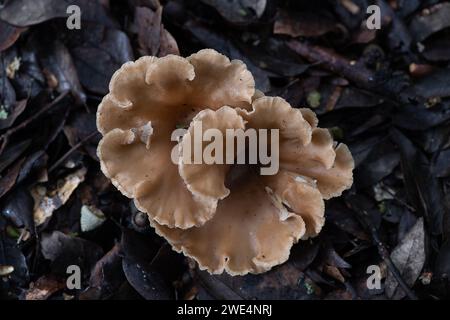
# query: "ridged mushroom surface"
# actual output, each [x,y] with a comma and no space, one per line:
[228,217]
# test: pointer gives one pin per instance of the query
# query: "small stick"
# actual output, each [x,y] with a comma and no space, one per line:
[384,254]
[69,152]
[334,62]
[5,137]
[356,73]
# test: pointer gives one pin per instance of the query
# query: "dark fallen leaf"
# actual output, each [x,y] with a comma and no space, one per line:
[149,28]
[168,263]
[215,288]
[12,153]
[79,126]
[394,212]
[11,254]
[437,47]
[399,36]
[28,79]
[361,203]
[239,11]
[8,35]
[66,218]
[106,276]
[282,282]
[435,85]
[428,22]
[26,13]
[273,57]
[126,292]
[361,148]
[98,52]
[304,253]
[304,23]
[13,113]
[344,219]
[319,278]
[332,258]
[406,222]
[153,39]
[353,97]
[364,35]
[18,208]
[57,62]
[168,44]
[441,166]
[44,287]
[339,294]
[422,188]
[147,281]
[9,179]
[137,246]
[212,39]
[406,7]
[351,15]
[63,250]
[409,257]
[379,163]
[34,165]
[418,117]
[442,268]
[434,139]
[138,252]
[374,122]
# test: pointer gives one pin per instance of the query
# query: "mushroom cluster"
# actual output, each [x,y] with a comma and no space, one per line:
[228,217]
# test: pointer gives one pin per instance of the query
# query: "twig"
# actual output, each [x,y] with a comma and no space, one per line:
[334,62]
[58,129]
[355,72]
[384,254]
[75,147]
[403,203]
[5,137]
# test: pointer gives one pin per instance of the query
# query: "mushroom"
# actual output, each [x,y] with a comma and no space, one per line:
[227,217]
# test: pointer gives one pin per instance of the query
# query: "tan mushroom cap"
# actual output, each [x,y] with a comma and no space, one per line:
[226,217]
[304,148]
[163,94]
[251,232]
[230,241]
[208,180]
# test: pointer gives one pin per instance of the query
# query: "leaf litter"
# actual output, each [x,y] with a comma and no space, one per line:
[385,93]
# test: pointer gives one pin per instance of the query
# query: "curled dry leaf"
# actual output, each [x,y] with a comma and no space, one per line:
[153,38]
[47,201]
[44,287]
[227,217]
[409,257]
[106,276]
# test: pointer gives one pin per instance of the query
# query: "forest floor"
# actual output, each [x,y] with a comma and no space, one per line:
[385,93]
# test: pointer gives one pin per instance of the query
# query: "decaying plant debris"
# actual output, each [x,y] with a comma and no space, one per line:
[385,93]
